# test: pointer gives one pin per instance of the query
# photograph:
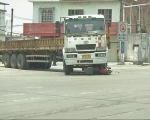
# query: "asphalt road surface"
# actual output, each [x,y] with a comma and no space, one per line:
[32,94]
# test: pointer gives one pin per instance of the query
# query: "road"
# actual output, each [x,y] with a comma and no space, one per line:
[49,94]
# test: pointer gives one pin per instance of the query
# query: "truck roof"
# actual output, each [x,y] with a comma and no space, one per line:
[82,16]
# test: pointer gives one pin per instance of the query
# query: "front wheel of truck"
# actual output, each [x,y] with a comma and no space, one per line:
[67,69]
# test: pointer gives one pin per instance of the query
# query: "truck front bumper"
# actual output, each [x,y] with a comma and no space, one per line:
[82,61]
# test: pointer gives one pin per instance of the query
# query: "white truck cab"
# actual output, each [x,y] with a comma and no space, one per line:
[85,42]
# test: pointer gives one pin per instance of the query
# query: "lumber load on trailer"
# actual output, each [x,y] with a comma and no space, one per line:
[41,44]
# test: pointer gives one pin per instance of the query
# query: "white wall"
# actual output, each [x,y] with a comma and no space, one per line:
[61,8]
[112,52]
[2,26]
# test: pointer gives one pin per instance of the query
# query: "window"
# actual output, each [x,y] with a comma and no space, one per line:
[75,12]
[47,15]
[107,14]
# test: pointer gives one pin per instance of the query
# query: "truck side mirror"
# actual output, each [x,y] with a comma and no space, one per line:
[57,25]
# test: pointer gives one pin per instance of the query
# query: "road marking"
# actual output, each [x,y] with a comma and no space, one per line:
[26,99]
[88,107]
[142,99]
[33,87]
[46,91]
[86,93]
[20,100]
[16,100]
[14,94]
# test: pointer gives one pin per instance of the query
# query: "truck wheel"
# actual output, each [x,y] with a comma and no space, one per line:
[21,61]
[7,60]
[13,61]
[67,69]
[43,65]
[47,65]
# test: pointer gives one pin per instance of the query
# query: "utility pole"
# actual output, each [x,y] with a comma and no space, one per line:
[139,19]
[11,23]
[108,35]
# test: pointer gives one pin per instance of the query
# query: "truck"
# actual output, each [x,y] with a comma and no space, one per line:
[82,45]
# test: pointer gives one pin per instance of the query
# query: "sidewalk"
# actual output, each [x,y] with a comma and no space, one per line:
[125,64]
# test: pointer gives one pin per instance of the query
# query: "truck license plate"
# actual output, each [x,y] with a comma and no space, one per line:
[86,56]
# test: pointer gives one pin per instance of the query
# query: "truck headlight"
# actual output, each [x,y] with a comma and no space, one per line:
[70,49]
[100,54]
[71,56]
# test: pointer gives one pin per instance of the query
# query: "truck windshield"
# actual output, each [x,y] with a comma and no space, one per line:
[92,26]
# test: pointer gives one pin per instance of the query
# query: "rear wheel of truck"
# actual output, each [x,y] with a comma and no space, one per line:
[7,60]
[47,65]
[67,69]
[13,61]
[21,61]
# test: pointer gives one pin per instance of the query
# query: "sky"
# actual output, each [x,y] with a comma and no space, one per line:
[22,9]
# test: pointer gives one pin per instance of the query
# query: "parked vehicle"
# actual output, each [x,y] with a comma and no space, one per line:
[82,45]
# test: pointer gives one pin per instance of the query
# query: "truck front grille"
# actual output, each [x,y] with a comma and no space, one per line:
[86,61]
[86,47]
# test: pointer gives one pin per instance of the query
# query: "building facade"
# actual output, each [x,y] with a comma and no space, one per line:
[2,25]
[2,22]
[137,15]
[52,10]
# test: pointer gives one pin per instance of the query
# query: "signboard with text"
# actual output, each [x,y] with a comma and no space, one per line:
[122,47]
[122,31]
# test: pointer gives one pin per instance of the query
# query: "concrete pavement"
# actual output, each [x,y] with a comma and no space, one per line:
[49,94]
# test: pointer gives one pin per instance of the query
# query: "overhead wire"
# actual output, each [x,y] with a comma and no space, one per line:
[17,17]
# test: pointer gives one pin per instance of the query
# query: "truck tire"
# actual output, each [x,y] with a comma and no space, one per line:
[47,65]
[13,61]
[67,69]
[21,61]
[7,60]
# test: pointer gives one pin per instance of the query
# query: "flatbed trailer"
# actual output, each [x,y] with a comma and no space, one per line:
[23,54]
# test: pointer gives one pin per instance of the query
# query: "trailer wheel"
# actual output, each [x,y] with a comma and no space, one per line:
[13,61]
[21,61]
[7,60]
[47,65]
[67,69]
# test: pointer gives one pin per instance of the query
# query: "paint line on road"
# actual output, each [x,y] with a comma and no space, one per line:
[88,107]
[14,94]
[26,99]
[33,87]
[142,99]
[86,93]
[20,100]
[45,92]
